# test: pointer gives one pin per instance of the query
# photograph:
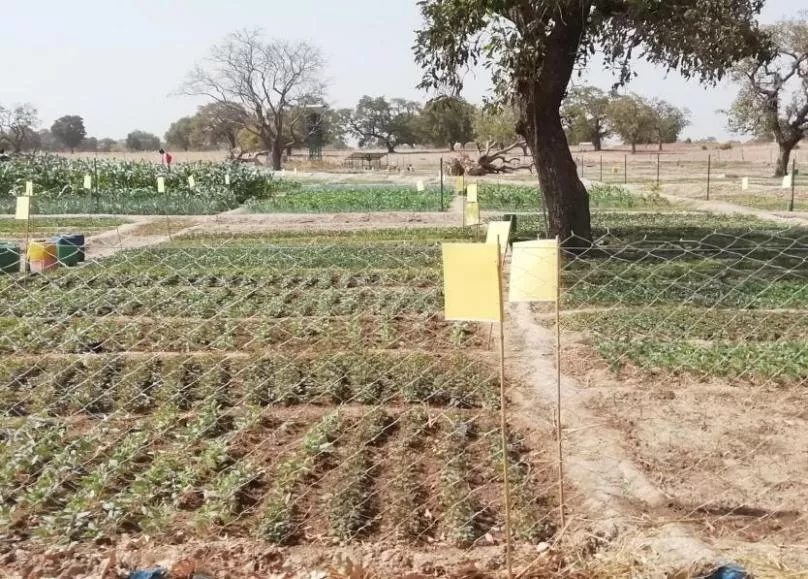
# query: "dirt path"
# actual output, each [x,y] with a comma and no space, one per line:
[607,491]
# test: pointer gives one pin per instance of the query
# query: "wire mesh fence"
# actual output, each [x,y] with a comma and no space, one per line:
[263,387]
[303,390]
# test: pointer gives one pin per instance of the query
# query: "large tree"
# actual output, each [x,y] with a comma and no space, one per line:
[377,121]
[18,127]
[668,121]
[532,48]
[180,134]
[261,80]
[632,118]
[773,100]
[69,130]
[447,122]
[142,141]
[585,111]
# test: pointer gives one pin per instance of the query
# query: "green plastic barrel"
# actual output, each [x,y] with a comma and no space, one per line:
[9,257]
[68,252]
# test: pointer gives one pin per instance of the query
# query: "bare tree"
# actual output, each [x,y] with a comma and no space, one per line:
[265,80]
[773,100]
[18,126]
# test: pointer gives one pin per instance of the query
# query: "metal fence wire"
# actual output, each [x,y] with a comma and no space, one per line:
[302,389]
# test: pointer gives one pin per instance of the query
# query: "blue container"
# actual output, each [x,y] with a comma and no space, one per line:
[75,240]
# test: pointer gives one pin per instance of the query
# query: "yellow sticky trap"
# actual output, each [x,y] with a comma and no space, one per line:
[471,214]
[191,181]
[499,232]
[88,182]
[23,208]
[458,183]
[227,178]
[745,184]
[471,193]
[787,181]
[420,186]
[471,283]
[534,271]
[29,188]
[161,184]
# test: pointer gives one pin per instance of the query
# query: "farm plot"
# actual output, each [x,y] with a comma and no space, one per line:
[692,332]
[49,226]
[507,197]
[129,188]
[293,393]
[342,198]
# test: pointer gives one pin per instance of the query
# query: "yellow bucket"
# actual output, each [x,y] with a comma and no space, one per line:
[42,255]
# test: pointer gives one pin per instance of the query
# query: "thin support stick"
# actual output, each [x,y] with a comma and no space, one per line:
[558,401]
[504,431]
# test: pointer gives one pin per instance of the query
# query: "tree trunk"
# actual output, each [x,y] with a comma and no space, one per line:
[660,144]
[390,148]
[782,168]
[597,144]
[565,197]
[289,151]
[277,155]
[633,148]
[452,147]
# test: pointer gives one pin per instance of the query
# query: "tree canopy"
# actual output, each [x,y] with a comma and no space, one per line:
[377,121]
[773,100]
[585,112]
[447,122]
[142,141]
[262,81]
[532,48]
[18,127]
[69,131]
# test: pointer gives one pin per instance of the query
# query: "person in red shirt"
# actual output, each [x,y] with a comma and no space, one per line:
[167,158]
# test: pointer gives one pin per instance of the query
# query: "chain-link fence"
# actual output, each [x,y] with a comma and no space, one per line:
[300,390]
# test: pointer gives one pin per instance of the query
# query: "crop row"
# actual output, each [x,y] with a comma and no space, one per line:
[691,323]
[76,335]
[779,362]
[507,197]
[318,198]
[284,257]
[713,292]
[47,226]
[209,303]
[256,476]
[202,238]
[126,276]
[106,384]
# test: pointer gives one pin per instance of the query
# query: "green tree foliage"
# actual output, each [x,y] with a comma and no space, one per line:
[69,131]
[107,145]
[633,119]
[495,126]
[181,134]
[447,122]
[142,141]
[379,122]
[532,48]
[668,122]
[585,112]
[773,100]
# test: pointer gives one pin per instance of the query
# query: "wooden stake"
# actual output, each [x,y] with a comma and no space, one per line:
[504,427]
[558,395]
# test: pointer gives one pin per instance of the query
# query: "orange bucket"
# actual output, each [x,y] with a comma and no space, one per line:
[42,256]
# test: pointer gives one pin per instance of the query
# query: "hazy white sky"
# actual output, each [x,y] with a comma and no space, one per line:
[117,62]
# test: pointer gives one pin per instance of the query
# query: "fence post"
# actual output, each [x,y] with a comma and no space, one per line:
[657,170]
[441,183]
[625,169]
[709,168]
[793,183]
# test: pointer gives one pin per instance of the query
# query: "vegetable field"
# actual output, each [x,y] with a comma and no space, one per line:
[120,187]
[296,389]
[506,197]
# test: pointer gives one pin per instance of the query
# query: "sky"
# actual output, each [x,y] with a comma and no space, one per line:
[120,63]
